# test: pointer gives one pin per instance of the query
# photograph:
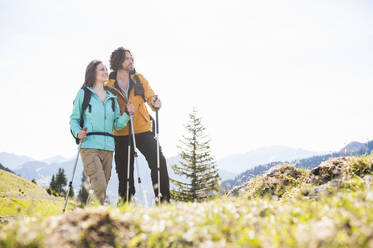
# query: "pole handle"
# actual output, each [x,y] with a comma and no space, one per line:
[81,141]
[155,99]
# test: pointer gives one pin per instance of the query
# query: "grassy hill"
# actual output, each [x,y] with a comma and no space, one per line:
[352,149]
[12,185]
[21,197]
[329,206]
[5,168]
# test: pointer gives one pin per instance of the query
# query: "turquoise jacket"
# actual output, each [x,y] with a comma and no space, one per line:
[101,118]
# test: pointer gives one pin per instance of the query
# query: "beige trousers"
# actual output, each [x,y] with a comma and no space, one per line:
[97,166]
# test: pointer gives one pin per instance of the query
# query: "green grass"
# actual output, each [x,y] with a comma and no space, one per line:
[341,220]
[12,185]
[20,197]
[279,215]
[32,207]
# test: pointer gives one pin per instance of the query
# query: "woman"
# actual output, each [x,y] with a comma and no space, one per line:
[96,131]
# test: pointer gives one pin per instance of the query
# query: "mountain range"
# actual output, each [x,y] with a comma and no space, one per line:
[229,167]
[42,172]
[239,163]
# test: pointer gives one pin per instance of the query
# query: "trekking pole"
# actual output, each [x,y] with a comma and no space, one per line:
[135,154]
[158,158]
[128,163]
[72,177]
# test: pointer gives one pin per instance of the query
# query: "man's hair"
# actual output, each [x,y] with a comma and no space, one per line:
[117,57]
[90,73]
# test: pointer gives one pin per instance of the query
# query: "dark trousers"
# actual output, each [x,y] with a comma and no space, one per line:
[147,145]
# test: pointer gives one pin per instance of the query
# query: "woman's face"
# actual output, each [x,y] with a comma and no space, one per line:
[101,73]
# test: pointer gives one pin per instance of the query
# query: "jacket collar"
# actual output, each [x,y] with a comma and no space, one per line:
[108,92]
[113,77]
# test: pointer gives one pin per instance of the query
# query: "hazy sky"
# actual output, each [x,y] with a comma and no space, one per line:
[261,73]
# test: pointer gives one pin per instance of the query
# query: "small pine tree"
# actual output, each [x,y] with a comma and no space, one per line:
[61,181]
[83,192]
[52,186]
[197,165]
[71,192]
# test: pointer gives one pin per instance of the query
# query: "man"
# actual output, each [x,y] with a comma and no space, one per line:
[131,86]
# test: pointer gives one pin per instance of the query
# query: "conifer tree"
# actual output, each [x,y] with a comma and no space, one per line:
[61,181]
[52,186]
[83,193]
[197,166]
[57,184]
[71,192]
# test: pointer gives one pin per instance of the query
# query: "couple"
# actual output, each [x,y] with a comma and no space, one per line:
[105,125]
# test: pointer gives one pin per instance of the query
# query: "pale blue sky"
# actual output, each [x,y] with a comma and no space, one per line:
[295,73]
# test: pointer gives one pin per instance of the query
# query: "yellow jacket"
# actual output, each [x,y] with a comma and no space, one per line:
[139,92]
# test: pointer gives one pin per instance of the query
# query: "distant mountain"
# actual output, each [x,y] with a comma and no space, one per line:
[55,160]
[32,170]
[239,163]
[224,174]
[248,175]
[13,161]
[353,148]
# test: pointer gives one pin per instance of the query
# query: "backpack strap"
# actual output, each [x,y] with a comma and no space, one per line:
[139,88]
[112,99]
[85,104]
[113,104]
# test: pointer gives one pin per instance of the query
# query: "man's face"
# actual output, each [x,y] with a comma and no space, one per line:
[128,63]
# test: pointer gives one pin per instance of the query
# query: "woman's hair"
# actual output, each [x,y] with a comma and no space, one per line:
[117,57]
[90,73]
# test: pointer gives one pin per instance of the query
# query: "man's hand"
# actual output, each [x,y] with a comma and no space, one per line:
[156,102]
[82,134]
[130,108]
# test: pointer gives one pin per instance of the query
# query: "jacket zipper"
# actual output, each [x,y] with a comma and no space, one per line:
[105,123]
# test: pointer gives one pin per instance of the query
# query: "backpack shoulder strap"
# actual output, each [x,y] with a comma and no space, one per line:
[112,99]
[85,104]
[139,88]
[113,104]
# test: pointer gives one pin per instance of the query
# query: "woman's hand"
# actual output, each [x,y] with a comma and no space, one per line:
[130,108]
[82,134]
